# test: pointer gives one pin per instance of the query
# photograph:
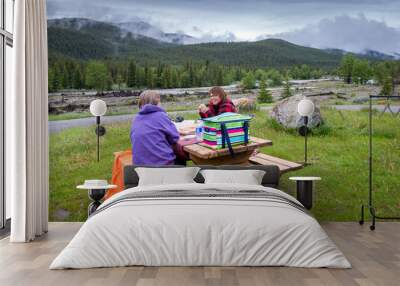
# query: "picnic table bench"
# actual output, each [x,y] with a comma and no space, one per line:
[284,165]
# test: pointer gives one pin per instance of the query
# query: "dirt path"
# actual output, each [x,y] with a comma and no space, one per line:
[60,125]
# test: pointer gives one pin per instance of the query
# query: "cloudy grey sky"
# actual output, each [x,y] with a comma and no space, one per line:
[366,24]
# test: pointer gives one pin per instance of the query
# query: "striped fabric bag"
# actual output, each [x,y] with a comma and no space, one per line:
[226,130]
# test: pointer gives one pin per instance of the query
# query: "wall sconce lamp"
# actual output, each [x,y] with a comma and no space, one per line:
[306,109]
[98,108]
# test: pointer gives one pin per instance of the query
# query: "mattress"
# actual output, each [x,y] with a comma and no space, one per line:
[201,225]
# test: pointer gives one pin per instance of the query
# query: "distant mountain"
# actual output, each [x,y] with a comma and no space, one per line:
[88,39]
[266,53]
[141,30]
[137,29]
[96,28]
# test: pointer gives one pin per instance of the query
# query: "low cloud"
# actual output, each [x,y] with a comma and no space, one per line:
[354,34]
[211,38]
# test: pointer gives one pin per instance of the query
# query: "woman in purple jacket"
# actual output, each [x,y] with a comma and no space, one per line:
[153,134]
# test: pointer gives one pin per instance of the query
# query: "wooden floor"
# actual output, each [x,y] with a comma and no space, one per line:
[375,257]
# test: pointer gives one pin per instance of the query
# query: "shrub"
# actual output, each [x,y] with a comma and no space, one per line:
[245,104]
[249,81]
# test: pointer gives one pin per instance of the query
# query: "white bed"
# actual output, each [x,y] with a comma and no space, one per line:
[267,229]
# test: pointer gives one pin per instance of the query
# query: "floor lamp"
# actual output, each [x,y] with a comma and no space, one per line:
[306,109]
[98,108]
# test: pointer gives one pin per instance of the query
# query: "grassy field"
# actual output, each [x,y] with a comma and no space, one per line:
[338,151]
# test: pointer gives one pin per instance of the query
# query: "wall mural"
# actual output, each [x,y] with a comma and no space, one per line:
[197,60]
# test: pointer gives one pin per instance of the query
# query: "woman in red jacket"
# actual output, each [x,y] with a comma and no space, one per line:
[219,103]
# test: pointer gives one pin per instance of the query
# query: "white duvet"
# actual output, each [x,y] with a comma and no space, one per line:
[191,231]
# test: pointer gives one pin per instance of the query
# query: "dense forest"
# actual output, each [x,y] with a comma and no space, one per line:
[66,73]
[107,74]
[360,71]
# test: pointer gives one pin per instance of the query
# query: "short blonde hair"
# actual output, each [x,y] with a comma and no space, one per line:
[149,97]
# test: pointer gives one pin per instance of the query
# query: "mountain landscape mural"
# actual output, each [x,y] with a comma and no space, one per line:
[267,56]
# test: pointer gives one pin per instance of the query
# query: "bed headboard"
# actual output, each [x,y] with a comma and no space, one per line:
[271,177]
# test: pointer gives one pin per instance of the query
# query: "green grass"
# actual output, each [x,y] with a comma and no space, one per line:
[73,159]
[338,151]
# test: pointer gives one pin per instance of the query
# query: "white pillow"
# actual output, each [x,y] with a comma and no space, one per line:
[166,176]
[247,177]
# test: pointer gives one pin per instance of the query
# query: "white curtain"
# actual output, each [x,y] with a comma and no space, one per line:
[27,157]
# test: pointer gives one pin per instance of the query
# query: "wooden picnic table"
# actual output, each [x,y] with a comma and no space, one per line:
[202,154]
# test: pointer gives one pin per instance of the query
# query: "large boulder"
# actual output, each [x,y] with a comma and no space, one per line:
[285,113]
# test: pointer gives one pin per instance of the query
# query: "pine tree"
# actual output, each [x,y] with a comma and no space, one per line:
[191,74]
[174,78]
[166,78]
[387,86]
[238,74]
[264,95]
[77,79]
[64,77]
[50,80]
[388,75]
[346,68]
[132,80]
[147,78]
[56,81]
[140,82]
[287,91]
[220,77]
[159,80]
[119,81]
[185,79]
[97,76]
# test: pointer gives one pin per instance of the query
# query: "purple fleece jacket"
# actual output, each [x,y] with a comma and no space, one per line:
[153,136]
